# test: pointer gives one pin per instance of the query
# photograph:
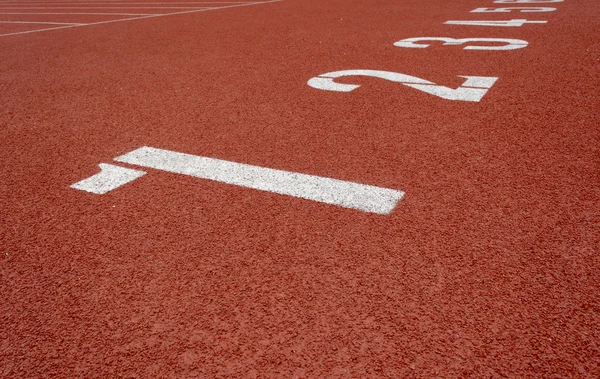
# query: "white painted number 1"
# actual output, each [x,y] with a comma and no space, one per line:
[342,193]
[473,89]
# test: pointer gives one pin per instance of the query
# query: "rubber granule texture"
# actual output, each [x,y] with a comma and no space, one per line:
[487,268]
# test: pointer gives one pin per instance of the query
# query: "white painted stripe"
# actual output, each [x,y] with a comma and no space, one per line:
[133,18]
[501,23]
[126,3]
[83,13]
[109,178]
[42,23]
[60,8]
[325,190]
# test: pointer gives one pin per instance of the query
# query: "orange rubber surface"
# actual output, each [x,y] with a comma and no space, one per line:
[488,267]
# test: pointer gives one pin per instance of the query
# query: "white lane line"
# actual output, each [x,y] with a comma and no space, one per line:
[42,23]
[345,194]
[142,17]
[38,30]
[109,178]
[79,13]
[59,8]
[128,3]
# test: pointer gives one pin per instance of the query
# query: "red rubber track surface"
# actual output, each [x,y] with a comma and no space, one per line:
[488,267]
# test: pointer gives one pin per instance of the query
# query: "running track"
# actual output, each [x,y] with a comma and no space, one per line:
[487,267]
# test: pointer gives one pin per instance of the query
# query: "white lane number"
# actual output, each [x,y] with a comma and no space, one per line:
[473,89]
[504,23]
[527,1]
[507,43]
[507,10]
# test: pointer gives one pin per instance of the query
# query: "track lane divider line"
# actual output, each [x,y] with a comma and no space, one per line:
[81,13]
[141,7]
[41,23]
[126,3]
[140,18]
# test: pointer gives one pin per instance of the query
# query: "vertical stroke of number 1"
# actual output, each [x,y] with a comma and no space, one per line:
[364,197]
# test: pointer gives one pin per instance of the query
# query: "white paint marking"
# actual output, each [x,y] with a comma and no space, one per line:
[137,18]
[479,81]
[79,13]
[109,178]
[507,10]
[60,8]
[505,23]
[527,1]
[509,44]
[325,190]
[473,89]
[119,2]
[42,23]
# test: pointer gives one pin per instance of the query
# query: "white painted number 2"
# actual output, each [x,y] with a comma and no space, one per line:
[473,89]
[508,44]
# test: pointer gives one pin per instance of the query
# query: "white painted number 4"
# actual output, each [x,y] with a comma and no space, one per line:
[473,89]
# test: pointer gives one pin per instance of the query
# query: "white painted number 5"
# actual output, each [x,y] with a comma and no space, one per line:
[473,89]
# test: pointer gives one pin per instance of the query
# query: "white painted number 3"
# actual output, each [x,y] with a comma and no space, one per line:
[507,43]
[473,89]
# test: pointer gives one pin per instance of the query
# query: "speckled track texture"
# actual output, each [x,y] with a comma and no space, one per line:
[489,266]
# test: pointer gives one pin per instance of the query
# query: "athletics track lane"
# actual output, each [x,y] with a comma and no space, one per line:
[488,267]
